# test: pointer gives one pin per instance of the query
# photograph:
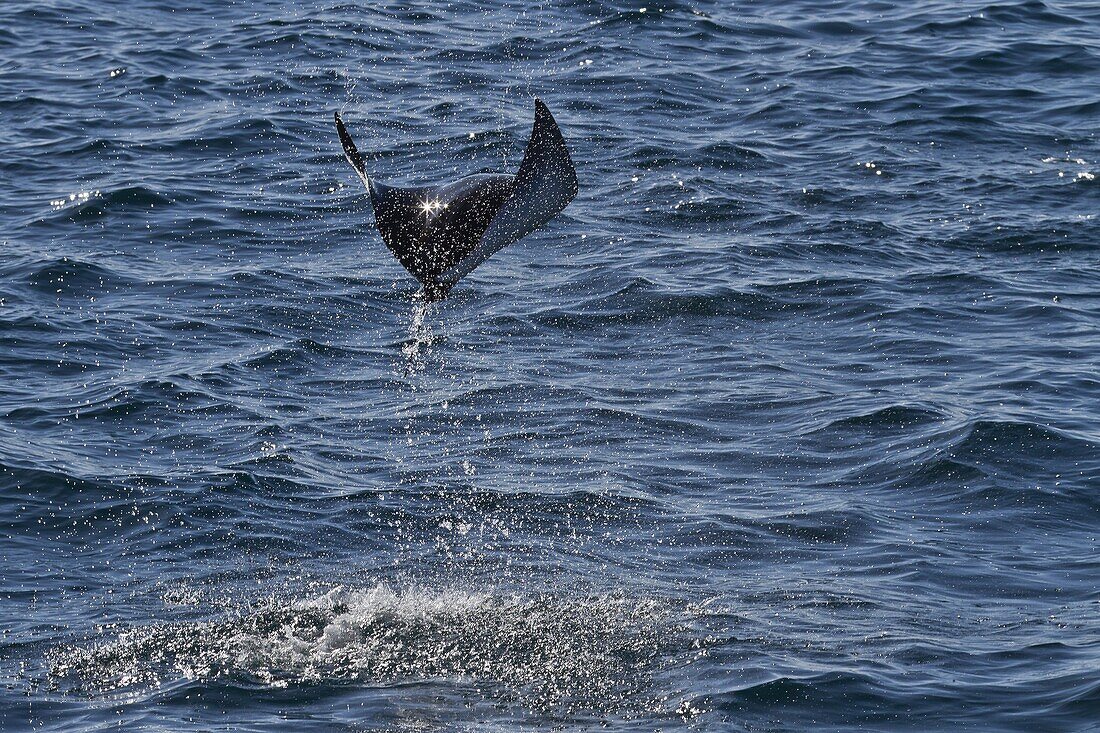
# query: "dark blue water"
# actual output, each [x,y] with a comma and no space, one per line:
[790,422]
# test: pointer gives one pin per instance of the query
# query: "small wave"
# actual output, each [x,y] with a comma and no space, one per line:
[837,28]
[643,301]
[894,417]
[989,459]
[945,472]
[1046,58]
[1030,12]
[299,352]
[1024,444]
[591,651]
[40,485]
[736,157]
[88,205]
[74,277]
[31,103]
[820,527]
[963,26]
[1050,236]
[852,687]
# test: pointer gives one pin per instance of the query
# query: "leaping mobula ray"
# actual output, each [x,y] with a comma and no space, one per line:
[441,233]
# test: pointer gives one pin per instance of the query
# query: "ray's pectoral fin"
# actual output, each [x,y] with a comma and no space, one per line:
[544,185]
[378,192]
[351,152]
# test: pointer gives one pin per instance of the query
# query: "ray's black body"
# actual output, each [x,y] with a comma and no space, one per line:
[441,233]
[430,242]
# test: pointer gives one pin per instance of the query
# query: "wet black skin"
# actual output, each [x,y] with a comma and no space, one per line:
[440,233]
[430,229]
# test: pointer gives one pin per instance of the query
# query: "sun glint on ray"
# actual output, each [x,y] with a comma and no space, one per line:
[431,206]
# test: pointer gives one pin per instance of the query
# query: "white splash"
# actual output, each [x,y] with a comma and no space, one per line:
[421,337]
[591,650]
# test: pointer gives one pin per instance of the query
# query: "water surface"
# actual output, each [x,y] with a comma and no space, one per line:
[789,422]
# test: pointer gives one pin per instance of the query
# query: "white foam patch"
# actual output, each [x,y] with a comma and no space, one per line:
[589,651]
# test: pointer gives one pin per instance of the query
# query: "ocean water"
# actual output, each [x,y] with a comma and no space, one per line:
[790,422]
